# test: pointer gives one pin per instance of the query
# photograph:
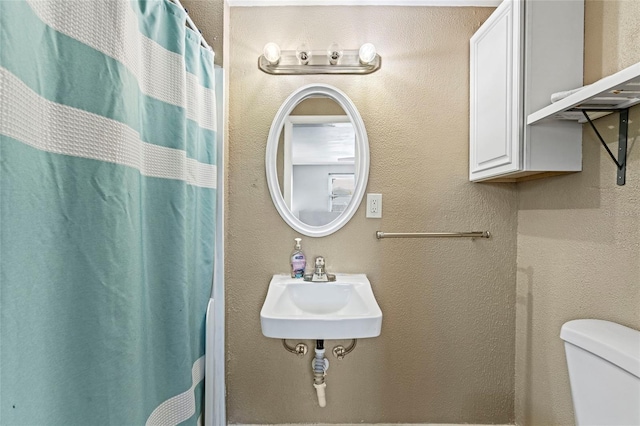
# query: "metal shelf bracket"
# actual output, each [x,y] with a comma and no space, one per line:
[621,161]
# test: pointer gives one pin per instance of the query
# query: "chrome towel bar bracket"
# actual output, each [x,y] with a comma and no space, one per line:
[475,234]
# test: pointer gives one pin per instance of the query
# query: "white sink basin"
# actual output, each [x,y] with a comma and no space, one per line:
[343,309]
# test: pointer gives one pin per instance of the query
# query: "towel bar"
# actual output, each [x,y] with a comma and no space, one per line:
[475,234]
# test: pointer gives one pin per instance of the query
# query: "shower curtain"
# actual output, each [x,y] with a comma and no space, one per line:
[108,195]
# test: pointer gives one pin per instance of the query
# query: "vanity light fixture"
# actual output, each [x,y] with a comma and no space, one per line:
[333,60]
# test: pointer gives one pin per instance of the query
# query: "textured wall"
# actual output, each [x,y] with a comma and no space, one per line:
[578,235]
[446,352]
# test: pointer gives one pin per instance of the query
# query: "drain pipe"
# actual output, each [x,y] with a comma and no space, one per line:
[320,366]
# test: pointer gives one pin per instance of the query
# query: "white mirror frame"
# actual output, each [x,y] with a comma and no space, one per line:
[362,158]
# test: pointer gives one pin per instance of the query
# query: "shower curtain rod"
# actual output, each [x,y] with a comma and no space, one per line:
[193,26]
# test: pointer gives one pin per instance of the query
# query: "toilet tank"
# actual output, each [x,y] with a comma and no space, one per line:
[604,370]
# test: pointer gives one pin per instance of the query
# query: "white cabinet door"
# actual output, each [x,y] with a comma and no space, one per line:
[495,94]
[524,52]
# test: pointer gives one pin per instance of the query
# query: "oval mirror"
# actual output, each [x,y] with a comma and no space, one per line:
[317,160]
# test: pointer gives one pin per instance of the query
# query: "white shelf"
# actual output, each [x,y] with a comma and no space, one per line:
[615,92]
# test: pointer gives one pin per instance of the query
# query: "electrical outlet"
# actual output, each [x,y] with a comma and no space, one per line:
[374,206]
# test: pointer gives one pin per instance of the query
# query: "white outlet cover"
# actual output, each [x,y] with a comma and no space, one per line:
[374,206]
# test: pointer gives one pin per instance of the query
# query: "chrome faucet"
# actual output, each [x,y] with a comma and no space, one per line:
[319,273]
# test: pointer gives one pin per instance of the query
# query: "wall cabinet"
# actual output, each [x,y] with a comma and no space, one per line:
[524,52]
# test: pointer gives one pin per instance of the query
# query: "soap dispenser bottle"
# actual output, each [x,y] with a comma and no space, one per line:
[298,261]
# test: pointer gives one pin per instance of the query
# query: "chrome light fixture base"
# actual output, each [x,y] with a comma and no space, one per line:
[318,63]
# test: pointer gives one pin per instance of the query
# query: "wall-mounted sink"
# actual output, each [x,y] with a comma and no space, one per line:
[343,309]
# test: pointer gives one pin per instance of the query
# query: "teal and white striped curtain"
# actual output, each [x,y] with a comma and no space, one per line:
[108,190]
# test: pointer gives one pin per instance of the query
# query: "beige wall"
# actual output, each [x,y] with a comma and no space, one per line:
[578,250]
[446,352]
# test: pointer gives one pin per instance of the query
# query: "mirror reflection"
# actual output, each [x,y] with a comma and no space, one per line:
[317,132]
[317,168]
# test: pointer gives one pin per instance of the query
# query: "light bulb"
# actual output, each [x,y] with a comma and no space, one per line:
[303,53]
[334,53]
[367,53]
[271,53]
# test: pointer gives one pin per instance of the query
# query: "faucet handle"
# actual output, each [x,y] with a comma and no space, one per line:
[320,262]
